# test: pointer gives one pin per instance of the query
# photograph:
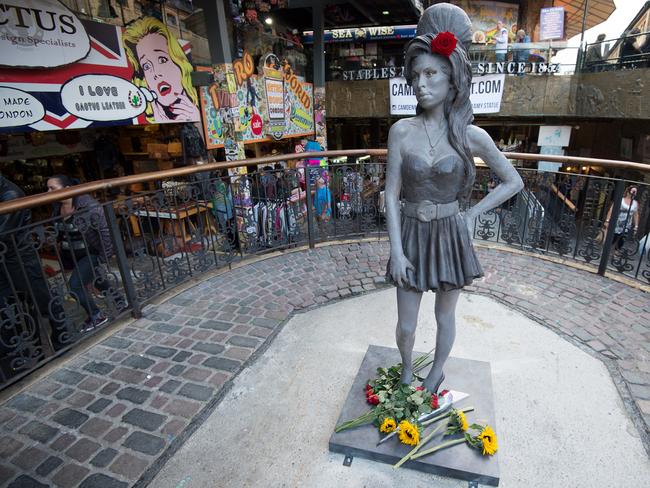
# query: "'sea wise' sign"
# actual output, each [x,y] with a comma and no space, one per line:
[40,34]
[102,98]
[19,108]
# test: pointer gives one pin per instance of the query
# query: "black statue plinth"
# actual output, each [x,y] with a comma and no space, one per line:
[460,461]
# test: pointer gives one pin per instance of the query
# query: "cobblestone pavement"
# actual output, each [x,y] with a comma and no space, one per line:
[112,415]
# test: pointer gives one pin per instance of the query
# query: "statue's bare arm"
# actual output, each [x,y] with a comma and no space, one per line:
[399,263]
[481,145]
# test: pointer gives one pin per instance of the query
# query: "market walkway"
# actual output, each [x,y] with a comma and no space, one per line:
[117,412]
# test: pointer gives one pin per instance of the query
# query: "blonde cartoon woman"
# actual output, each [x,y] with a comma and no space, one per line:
[160,65]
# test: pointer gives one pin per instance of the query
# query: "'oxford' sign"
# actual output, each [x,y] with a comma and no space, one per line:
[40,34]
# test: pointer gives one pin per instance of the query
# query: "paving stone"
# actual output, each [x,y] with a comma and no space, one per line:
[196,374]
[182,408]
[196,392]
[238,353]
[24,481]
[160,367]
[63,393]
[145,443]
[99,480]
[99,367]
[172,428]
[25,403]
[39,431]
[138,362]
[181,356]
[243,341]
[80,399]
[70,475]
[70,418]
[91,384]
[116,434]
[95,427]
[29,457]
[82,449]
[176,370]
[99,405]
[9,446]
[165,328]
[63,442]
[117,343]
[104,457]
[170,386]
[208,348]
[266,322]
[161,352]
[134,395]
[110,388]
[116,410]
[128,375]
[260,332]
[222,364]
[218,379]
[131,467]
[145,420]
[49,465]
[67,377]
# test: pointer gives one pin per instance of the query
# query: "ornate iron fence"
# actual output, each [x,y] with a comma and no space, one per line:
[64,278]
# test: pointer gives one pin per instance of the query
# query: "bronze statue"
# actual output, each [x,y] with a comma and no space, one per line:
[430,163]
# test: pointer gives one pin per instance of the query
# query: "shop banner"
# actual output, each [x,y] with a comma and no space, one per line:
[41,34]
[551,22]
[486,94]
[131,76]
[264,107]
[364,34]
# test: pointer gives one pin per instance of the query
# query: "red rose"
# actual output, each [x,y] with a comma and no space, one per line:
[444,392]
[419,388]
[443,44]
[434,402]
[373,400]
[369,392]
[368,387]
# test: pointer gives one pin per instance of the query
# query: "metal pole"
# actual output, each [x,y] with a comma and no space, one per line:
[122,261]
[611,228]
[318,19]
[310,211]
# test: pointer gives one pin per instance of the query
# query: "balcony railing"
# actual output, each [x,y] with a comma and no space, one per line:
[115,256]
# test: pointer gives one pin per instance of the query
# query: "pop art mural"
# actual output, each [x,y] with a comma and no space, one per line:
[128,76]
[273,105]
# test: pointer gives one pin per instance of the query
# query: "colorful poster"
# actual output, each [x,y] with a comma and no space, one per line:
[485,14]
[293,112]
[138,75]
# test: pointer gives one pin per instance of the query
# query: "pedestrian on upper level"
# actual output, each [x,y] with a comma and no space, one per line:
[595,55]
[501,42]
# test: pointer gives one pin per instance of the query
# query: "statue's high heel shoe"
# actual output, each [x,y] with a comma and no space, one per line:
[442,378]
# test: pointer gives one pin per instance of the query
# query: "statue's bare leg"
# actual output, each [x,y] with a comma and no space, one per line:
[445,310]
[408,306]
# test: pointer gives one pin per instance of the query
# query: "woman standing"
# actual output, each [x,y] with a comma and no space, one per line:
[85,245]
[627,218]
[430,163]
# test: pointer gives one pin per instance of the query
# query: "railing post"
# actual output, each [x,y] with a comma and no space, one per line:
[122,261]
[611,228]
[310,211]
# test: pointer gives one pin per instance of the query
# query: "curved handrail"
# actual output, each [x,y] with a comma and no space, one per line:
[106,184]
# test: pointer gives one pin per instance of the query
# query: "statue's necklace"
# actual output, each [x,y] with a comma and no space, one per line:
[432,145]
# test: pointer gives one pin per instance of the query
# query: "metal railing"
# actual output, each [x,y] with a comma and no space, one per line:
[64,278]
[627,52]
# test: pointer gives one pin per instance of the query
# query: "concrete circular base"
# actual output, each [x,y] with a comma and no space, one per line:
[560,419]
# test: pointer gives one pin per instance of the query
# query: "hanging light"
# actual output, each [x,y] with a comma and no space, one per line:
[268,21]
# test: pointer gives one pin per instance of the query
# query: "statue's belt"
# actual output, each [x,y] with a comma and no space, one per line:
[426,211]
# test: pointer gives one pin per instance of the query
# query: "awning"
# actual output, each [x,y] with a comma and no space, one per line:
[598,11]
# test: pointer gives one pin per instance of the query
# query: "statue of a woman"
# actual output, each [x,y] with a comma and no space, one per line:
[430,163]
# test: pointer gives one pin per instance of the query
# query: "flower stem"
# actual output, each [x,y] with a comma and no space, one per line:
[416,448]
[366,418]
[438,447]
[444,415]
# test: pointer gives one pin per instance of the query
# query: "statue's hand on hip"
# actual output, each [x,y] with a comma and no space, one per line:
[468,218]
[399,268]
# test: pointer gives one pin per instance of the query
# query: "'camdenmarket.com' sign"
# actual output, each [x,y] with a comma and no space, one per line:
[485,95]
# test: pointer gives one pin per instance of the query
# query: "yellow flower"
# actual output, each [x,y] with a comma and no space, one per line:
[388,425]
[409,433]
[462,420]
[489,439]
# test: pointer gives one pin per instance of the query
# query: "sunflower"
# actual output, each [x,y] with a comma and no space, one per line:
[489,439]
[388,425]
[462,420]
[409,433]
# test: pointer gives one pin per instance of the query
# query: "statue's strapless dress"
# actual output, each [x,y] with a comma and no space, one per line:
[440,248]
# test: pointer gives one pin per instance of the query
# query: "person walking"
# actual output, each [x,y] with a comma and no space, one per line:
[627,220]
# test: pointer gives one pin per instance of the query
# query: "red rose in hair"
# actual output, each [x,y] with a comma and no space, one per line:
[373,400]
[443,44]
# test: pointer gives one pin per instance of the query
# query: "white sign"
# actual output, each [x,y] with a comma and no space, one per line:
[548,165]
[19,108]
[554,135]
[40,34]
[551,23]
[485,95]
[103,98]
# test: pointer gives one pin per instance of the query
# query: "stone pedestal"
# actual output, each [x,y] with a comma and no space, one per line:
[460,461]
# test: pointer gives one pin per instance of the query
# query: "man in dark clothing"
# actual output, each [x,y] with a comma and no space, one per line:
[595,58]
[21,283]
